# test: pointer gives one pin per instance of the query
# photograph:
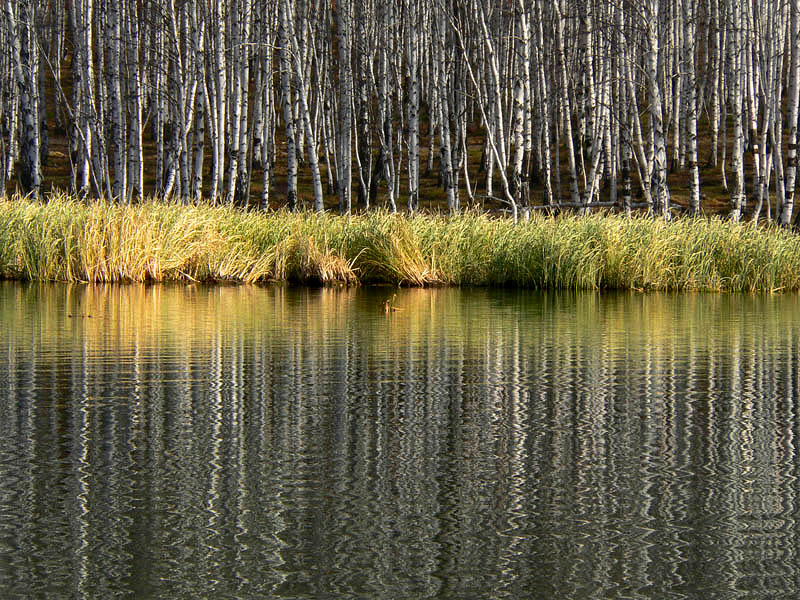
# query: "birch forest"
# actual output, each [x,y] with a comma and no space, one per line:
[652,105]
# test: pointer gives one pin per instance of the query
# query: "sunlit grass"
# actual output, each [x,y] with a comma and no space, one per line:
[68,240]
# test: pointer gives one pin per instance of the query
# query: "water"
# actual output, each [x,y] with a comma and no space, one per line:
[240,442]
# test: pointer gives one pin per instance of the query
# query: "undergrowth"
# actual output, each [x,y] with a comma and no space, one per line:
[66,239]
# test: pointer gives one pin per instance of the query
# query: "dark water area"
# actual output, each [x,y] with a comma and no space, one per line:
[243,442]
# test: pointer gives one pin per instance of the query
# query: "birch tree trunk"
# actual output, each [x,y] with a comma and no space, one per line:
[218,99]
[593,178]
[519,176]
[135,180]
[566,113]
[590,148]
[284,52]
[792,108]
[304,111]
[715,70]
[238,177]
[116,150]
[546,106]
[81,15]
[21,24]
[660,190]
[264,105]
[385,125]
[199,136]
[734,80]
[364,58]
[412,107]
[689,62]
[443,90]
[344,137]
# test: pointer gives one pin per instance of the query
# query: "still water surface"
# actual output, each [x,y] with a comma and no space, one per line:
[243,442]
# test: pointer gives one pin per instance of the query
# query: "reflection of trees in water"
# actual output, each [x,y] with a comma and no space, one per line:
[277,442]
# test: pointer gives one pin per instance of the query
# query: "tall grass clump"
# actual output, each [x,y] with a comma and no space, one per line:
[387,248]
[9,234]
[66,239]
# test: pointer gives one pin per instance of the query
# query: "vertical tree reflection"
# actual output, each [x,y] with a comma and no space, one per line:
[248,442]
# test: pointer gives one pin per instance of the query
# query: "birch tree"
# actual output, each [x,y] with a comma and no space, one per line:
[734,78]
[444,87]
[690,108]
[660,191]
[793,101]
[193,99]
[565,110]
[344,137]
[20,23]
[284,51]
[116,143]
[303,96]
[81,16]
[135,180]
[412,50]
[386,36]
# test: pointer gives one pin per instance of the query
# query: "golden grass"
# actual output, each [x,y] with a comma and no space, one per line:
[68,240]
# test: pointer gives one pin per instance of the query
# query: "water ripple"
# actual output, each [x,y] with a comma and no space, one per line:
[304,444]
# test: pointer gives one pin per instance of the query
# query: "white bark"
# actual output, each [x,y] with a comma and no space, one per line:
[690,94]
[566,113]
[385,113]
[660,190]
[734,58]
[135,169]
[81,16]
[792,109]
[412,107]
[443,90]
[218,95]
[306,115]
[344,137]
[237,162]
[284,51]
[24,48]
[519,178]
[116,150]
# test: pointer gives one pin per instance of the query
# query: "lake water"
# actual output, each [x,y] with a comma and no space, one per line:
[175,441]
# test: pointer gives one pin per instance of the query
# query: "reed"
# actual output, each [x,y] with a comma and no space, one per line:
[65,239]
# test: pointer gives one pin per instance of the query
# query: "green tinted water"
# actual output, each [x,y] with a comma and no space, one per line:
[187,442]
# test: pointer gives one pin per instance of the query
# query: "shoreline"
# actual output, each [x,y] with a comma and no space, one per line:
[65,239]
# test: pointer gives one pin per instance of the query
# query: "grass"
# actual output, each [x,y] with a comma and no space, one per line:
[67,240]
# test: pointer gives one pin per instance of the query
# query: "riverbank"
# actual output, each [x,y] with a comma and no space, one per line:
[67,240]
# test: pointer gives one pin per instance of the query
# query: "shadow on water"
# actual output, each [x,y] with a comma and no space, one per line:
[187,441]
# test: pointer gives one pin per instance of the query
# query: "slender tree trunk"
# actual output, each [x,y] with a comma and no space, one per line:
[412,107]
[135,148]
[385,127]
[736,102]
[81,14]
[443,91]
[344,137]
[519,177]
[288,114]
[113,82]
[304,111]
[660,190]
[218,98]
[25,53]
[565,104]
[792,109]
[691,104]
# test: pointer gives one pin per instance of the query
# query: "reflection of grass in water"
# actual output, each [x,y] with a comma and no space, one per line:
[159,241]
[183,317]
